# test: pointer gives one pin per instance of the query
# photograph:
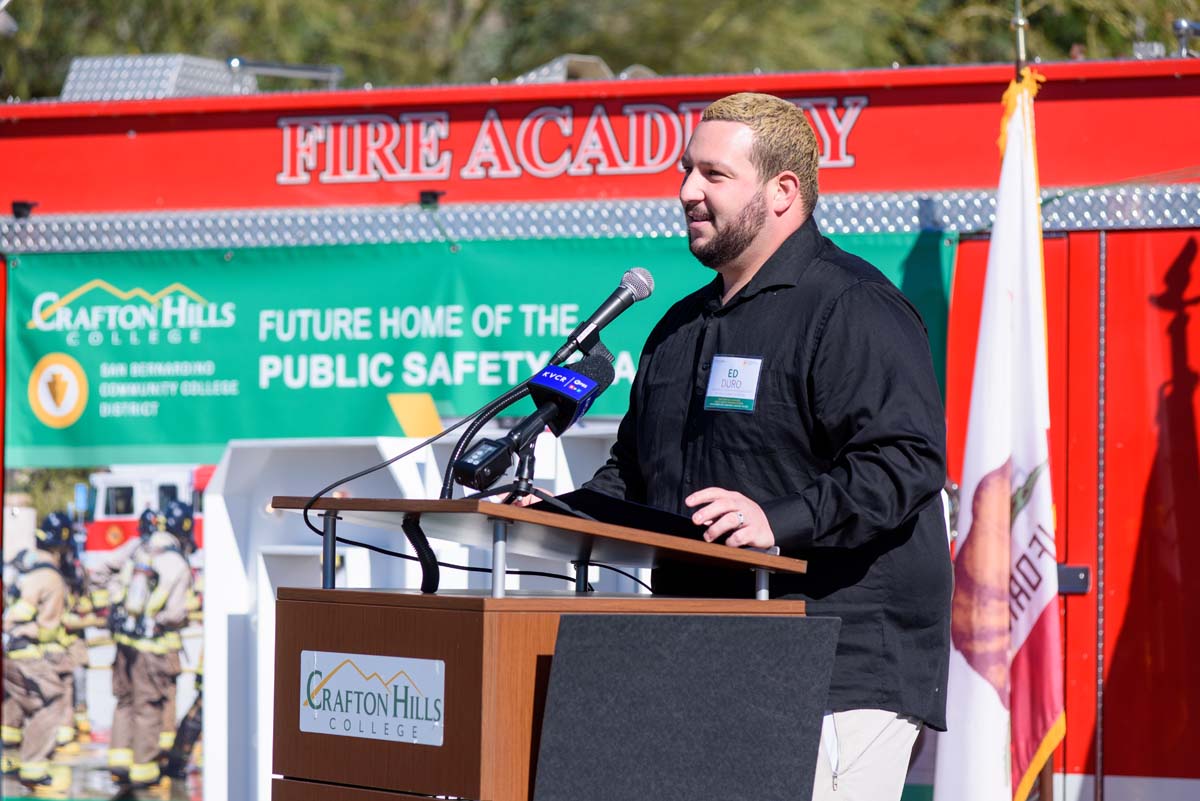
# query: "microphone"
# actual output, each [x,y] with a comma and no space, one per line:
[636,284]
[562,396]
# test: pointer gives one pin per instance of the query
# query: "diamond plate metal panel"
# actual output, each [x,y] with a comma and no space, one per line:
[568,67]
[1112,208]
[153,76]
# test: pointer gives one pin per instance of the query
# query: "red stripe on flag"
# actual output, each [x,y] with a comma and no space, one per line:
[1036,700]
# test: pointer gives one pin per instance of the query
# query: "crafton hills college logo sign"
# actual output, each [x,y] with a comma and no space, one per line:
[58,390]
[373,697]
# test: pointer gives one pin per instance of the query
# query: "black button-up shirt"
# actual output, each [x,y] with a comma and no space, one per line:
[843,450]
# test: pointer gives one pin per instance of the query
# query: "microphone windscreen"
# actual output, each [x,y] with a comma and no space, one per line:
[639,281]
[596,367]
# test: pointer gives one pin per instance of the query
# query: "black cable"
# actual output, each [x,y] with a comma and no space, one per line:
[557,504]
[629,576]
[317,496]
[430,575]
[472,416]
[520,392]
[538,493]
[468,568]
[481,418]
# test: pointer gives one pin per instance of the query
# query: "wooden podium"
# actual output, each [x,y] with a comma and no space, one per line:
[496,649]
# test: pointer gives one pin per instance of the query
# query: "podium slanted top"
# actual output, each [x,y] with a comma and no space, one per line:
[536,533]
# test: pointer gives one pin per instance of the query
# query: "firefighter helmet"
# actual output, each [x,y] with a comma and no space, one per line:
[178,520]
[55,532]
[148,523]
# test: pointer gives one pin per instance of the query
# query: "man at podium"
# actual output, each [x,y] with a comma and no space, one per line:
[792,402]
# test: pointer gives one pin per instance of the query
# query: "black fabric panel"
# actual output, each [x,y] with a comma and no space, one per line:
[684,707]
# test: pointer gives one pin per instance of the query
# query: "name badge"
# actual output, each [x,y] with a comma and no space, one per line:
[732,384]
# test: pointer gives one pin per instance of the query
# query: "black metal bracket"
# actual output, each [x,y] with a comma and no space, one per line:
[1074,579]
[429,199]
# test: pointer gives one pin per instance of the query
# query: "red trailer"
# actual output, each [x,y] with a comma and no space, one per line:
[903,150]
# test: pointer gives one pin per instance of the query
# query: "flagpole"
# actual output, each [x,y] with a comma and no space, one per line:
[1019,24]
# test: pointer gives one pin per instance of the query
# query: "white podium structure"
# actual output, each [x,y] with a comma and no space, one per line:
[251,549]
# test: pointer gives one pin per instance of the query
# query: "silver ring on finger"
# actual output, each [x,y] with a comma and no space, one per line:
[741,519]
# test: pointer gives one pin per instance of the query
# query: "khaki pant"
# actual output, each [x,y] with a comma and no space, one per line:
[64,708]
[142,683]
[864,755]
[166,736]
[33,690]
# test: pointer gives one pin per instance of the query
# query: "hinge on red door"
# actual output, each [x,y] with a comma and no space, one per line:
[1074,579]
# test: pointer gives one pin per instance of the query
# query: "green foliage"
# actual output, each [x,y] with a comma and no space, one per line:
[412,42]
[49,490]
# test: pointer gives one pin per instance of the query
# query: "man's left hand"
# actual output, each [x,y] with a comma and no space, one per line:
[727,512]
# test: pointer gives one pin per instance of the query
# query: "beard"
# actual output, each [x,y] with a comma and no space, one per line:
[731,241]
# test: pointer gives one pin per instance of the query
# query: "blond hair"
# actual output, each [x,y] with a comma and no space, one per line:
[783,138]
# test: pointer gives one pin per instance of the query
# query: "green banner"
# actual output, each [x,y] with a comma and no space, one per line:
[164,356]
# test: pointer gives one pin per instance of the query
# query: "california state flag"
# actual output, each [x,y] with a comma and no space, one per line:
[1005,700]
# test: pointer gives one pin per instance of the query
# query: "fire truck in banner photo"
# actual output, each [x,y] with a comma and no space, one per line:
[371,250]
[119,495]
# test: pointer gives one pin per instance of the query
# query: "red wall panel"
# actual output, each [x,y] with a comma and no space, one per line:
[1152,504]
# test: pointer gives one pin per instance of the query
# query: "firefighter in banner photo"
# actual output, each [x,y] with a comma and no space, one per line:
[180,521]
[117,578]
[149,607]
[34,657]
[81,613]
[180,744]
